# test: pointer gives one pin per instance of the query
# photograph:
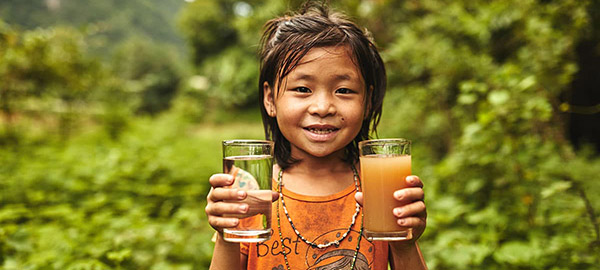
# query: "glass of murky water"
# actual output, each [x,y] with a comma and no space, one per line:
[250,162]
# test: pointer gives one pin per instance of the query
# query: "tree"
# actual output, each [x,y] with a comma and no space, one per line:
[47,68]
[480,83]
[149,71]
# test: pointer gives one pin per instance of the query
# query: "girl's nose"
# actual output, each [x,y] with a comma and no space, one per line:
[322,105]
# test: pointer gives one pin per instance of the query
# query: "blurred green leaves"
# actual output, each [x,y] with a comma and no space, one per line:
[94,203]
[476,85]
[207,26]
[504,194]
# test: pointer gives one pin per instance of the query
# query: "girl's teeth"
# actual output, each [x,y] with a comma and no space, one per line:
[320,131]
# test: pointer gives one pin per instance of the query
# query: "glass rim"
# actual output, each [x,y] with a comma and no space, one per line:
[384,141]
[247,142]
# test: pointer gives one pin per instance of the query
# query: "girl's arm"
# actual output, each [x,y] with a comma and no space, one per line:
[406,256]
[227,256]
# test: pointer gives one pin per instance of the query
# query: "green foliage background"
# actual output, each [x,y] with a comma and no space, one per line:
[111,126]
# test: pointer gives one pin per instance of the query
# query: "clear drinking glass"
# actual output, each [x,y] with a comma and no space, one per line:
[385,164]
[250,162]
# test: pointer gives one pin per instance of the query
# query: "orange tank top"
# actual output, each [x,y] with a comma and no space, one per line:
[319,219]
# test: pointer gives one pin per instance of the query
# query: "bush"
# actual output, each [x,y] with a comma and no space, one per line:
[97,203]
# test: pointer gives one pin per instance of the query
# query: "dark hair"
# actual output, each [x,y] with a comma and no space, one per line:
[287,39]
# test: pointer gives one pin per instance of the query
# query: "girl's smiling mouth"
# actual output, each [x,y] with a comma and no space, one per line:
[321,132]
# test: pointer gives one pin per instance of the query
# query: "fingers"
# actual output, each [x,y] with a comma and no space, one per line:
[413,212]
[220,180]
[216,208]
[222,194]
[416,209]
[408,195]
[412,222]
[219,223]
[225,215]
[217,193]
[412,215]
[222,209]
[414,181]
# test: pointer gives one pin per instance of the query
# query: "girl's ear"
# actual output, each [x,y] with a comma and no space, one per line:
[268,100]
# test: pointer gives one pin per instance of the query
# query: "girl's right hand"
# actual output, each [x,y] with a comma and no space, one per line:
[221,202]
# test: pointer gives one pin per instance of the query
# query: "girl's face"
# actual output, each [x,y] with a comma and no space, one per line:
[321,103]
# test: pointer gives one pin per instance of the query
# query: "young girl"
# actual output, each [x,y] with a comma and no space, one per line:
[322,84]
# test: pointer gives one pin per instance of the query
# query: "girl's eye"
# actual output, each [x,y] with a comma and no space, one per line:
[344,91]
[301,89]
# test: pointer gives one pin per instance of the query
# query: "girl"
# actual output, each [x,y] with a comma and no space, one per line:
[322,84]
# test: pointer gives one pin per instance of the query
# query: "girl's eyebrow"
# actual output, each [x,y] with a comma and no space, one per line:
[338,77]
[343,77]
[304,77]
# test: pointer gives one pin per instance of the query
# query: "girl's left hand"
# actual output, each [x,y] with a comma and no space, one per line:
[412,213]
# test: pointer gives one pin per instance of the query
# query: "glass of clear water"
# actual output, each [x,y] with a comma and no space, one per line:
[250,162]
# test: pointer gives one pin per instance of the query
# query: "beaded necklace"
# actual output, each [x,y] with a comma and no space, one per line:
[320,246]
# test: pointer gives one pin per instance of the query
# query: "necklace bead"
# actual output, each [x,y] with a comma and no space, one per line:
[312,244]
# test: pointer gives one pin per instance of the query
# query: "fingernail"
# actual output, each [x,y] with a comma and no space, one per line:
[243,208]
[399,194]
[229,179]
[397,211]
[401,222]
[411,179]
[241,194]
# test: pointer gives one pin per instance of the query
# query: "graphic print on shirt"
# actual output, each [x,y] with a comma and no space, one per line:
[320,219]
[340,257]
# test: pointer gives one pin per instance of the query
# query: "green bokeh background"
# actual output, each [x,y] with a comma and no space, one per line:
[112,114]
